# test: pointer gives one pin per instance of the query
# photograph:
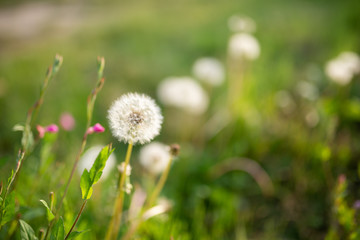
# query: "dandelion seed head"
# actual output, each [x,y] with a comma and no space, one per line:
[154,157]
[89,157]
[135,118]
[209,70]
[240,23]
[312,118]
[285,101]
[184,93]
[307,90]
[343,68]
[244,46]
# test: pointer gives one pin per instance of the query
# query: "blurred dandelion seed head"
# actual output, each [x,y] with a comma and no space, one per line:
[307,90]
[241,23]
[285,101]
[244,46]
[135,118]
[343,68]
[209,70]
[312,118]
[154,157]
[88,159]
[184,93]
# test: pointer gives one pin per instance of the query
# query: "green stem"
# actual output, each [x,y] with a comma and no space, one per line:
[90,108]
[83,144]
[32,112]
[159,185]
[153,197]
[77,218]
[119,202]
[8,188]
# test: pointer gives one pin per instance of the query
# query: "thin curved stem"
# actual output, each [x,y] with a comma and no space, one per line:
[119,202]
[159,185]
[83,144]
[90,107]
[77,218]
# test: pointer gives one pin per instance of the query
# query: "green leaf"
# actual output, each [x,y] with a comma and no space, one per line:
[9,209]
[75,234]
[11,176]
[26,232]
[85,185]
[88,179]
[49,214]
[58,233]
[27,140]
[18,127]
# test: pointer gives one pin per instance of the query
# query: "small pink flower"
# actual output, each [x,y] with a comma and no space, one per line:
[52,128]
[342,179]
[96,128]
[41,131]
[67,121]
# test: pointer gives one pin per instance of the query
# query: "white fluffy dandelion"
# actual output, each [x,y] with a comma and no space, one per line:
[154,157]
[183,92]
[312,118]
[243,45]
[240,23]
[307,90]
[343,68]
[88,159]
[285,101]
[135,118]
[209,70]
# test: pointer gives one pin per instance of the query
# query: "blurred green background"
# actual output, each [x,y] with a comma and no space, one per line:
[145,41]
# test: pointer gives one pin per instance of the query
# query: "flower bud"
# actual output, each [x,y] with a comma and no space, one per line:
[53,128]
[96,128]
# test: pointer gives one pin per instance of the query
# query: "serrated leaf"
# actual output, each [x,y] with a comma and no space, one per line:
[75,234]
[50,216]
[26,231]
[58,233]
[9,209]
[88,179]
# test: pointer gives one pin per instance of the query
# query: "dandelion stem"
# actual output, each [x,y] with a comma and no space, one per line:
[116,218]
[159,186]
[77,218]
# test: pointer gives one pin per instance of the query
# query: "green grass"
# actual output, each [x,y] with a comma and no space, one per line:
[146,41]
